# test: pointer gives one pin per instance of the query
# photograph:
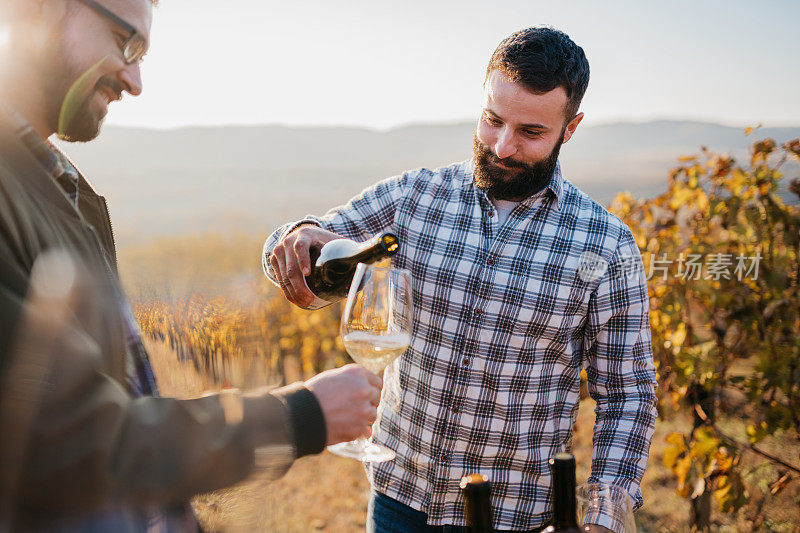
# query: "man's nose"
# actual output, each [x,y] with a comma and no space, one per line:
[505,145]
[131,78]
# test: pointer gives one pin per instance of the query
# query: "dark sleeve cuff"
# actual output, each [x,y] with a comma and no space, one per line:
[305,418]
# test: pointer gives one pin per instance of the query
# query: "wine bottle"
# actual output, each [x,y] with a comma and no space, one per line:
[562,467]
[477,491]
[335,264]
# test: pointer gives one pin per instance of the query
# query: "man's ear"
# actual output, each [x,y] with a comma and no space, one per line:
[572,125]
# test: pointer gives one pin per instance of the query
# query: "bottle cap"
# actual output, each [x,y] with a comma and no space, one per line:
[475,482]
[562,458]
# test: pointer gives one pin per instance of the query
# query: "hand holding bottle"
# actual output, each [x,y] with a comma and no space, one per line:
[291,261]
[324,272]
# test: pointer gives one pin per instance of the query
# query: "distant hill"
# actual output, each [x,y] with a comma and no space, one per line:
[193,180]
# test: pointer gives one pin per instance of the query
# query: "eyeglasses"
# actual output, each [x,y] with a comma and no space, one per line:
[134,47]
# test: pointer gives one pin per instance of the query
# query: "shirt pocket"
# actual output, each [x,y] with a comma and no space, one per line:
[552,312]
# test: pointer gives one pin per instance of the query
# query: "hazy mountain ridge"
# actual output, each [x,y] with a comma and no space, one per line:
[251,178]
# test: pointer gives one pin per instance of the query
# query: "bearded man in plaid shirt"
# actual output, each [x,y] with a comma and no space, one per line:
[520,280]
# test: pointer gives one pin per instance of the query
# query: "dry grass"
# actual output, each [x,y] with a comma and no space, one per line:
[319,493]
[329,493]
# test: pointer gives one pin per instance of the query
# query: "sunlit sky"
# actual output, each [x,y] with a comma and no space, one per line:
[381,64]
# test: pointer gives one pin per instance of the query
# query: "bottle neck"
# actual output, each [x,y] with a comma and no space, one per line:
[375,249]
[564,494]
[477,503]
[371,254]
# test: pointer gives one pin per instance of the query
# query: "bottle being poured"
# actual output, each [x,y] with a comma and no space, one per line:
[335,264]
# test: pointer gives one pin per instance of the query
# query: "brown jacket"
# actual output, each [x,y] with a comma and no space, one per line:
[72,439]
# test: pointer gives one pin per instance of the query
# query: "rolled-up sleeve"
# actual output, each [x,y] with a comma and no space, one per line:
[371,212]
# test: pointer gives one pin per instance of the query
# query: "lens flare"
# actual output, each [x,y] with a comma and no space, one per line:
[79,90]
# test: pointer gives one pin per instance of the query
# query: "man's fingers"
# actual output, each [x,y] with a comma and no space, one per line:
[302,249]
[375,398]
[278,262]
[374,380]
[291,262]
[288,291]
[371,417]
[275,263]
[297,284]
[295,274]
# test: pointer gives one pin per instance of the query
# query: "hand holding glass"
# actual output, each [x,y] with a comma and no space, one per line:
[376,329]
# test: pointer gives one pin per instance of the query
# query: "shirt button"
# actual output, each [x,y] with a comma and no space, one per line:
[478,311]
[455,409]
[491,214]
[445,458]
[465,361]
[490,261]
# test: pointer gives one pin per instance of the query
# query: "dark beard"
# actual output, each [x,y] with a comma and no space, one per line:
[68,101]
[514,185]
[77,121]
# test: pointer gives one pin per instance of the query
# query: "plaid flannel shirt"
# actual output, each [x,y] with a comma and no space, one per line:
[504,319]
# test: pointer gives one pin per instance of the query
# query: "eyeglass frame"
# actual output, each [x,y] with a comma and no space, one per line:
[129,57]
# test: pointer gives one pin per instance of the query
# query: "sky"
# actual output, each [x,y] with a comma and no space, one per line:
[381,64]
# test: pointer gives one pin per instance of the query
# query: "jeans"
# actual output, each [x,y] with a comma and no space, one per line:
[387,515]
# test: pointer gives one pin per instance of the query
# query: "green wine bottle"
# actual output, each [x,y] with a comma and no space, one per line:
[562,467]
[335,265]
[477,493]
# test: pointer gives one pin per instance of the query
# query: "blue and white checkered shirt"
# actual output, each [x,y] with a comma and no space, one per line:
[505,317]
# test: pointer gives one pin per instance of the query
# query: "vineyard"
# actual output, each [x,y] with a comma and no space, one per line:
[246,344]
[722,255]
[726,335]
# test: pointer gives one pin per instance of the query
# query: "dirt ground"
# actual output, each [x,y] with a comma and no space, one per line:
[330,493]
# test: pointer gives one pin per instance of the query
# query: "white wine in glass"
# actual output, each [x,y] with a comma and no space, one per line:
[375,351]
[376,330]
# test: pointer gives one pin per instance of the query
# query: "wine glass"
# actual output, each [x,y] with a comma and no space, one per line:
[605,505]
[375,329]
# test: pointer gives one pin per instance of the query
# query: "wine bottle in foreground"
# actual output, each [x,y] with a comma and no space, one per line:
[477,491]
[336,263]
[562,467]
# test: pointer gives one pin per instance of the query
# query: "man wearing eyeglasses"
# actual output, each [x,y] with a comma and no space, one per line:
[85,441]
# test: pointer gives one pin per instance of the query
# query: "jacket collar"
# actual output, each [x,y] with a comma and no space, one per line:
[22,162]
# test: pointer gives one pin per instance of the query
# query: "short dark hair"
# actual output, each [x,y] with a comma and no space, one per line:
[542,59]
